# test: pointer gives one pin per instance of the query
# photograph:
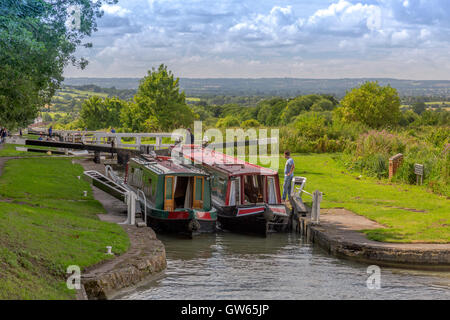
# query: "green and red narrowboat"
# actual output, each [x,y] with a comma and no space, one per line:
[246,196]
[178,197]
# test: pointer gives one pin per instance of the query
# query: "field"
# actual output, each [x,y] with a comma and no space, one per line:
[47,225]
[409,212]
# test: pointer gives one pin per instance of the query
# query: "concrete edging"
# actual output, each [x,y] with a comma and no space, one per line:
[145,257]
[412,258]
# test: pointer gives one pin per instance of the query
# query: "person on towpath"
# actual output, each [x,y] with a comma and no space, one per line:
[288,175]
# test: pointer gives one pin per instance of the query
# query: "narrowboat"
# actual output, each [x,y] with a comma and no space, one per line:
[246,196]
[178,197]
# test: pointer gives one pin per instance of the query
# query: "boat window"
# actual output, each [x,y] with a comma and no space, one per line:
[271,189]
[253,189]
[219,188]
[136,177]
[148,189]
[235,192]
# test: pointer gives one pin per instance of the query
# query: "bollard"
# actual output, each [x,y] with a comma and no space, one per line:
[109,248]
[130,199]
[315,212]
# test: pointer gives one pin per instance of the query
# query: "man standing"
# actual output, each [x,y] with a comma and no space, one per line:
[288,175]
[50,131]
[189,137]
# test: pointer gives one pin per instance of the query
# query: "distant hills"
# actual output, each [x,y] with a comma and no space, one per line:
[286,87]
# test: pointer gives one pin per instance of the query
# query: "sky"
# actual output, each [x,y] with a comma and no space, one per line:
[403,39]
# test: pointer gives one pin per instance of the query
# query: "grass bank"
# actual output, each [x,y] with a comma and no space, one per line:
[9,150]
[410,213]
[47,225]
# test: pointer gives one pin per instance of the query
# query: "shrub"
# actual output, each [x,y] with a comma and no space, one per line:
[251,123]
[227,122]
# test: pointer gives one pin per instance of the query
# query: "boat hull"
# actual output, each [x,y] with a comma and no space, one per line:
[259,220]
[184,223]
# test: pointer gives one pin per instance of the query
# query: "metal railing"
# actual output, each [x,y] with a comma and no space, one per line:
[297,188]
[145,205]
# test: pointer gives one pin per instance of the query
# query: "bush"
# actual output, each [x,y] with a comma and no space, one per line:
[251,123]
[227,122]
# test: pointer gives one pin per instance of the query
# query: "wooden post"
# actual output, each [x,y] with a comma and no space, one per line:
[419,170]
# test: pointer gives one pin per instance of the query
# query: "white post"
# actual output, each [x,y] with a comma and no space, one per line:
[132,208]
[158,143]
[315,212]
[130,199]
[138,142]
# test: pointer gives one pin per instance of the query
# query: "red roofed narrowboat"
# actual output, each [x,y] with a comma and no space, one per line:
[246,196]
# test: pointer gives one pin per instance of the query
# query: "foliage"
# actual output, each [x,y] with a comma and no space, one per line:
[373,150]
[36,43]
[97,113]
[269,111]
[378,200]
[228,122]
[158,104]
[419,107]
[372,104]
[251,123]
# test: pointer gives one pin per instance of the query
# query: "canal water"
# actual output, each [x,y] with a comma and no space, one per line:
[282,266]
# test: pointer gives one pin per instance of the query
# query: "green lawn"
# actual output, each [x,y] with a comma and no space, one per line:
[47,224]
[9,150]
[378,200]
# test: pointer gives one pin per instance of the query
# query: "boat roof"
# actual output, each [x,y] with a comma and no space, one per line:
[228,164]
[166,165]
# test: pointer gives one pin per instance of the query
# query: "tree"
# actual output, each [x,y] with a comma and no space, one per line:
[93,113]
[158,104]
[38,38]
[322,105]
[228,122]
[269,111]
[47,117]
[371,104]
[250,123]
[297,106]
[419,107]
[97,113]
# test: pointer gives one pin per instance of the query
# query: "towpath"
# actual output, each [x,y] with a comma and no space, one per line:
[340,233]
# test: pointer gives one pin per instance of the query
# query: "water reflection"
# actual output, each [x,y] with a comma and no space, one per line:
[282,266]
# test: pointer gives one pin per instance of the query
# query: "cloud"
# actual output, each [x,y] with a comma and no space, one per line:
[137,34]
[345,18]
[115,10]
[429,12]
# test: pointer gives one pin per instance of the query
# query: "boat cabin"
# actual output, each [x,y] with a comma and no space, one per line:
[168,185]
[235,182]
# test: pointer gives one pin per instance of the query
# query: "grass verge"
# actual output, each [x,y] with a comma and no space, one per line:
[9,150]
[47,225]
[410,213]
